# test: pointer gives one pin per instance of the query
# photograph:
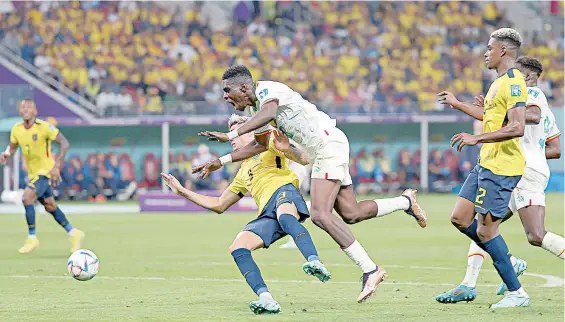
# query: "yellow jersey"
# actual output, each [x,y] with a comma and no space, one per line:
[506,92]
[262,175]
[35,143]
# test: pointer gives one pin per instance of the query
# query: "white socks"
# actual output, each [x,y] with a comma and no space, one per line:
[72,232]
[553,243]
[389,205]
[520,291]
[358,254]
[31,236]
[475,260]
[265,295]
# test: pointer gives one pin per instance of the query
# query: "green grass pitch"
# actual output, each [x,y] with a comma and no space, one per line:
[176,267]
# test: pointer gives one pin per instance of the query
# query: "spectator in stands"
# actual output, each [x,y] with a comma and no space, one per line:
[124,100]
[90,182]
[407,172]
[438,173]
[154,103]
[113,180]
[72,177]
[12,41]
[105,99]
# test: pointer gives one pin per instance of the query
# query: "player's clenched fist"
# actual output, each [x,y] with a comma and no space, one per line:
[172,182]
[215,136]
[4,157]
[205,169]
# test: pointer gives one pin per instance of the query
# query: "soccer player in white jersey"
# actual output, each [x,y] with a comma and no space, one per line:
[328,149]
[539,143]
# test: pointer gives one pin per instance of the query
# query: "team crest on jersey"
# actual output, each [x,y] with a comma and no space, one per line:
[263,93]
[515,90]
[34,137]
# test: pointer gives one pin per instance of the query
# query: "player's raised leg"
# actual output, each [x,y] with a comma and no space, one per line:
[324,194]
[289,217]
[240,249]
[354,212]
[28,199]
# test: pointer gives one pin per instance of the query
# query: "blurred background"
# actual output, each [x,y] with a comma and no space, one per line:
[130,84]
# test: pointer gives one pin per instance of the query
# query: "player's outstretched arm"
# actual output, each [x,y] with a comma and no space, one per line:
[250,150]
[215,204]
[553,148]
[265,115]
[476,110]
[514,128]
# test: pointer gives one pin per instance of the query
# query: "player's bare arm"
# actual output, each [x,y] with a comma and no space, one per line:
[553,149]
[282,143]
[474,110]
[10,150]
[263,117]
[64,146]
[514,129]
[533,114]
[248,151]
[215,204]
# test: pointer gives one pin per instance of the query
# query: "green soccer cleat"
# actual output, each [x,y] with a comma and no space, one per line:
[513,299]
[317,269]
[265,305]
[519,268]
[459,294]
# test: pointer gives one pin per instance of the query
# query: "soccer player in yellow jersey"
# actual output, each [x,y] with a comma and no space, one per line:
[281,209]
[34,137]
[489,186]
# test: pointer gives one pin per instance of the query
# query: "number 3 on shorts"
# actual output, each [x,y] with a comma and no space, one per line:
[480,195]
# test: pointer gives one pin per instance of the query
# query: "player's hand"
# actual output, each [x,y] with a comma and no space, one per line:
[215,136]
[172,182]
[464,139]
[4,157]
[479,101]
[55,177]
[281,141]
[205,169]
[448,98]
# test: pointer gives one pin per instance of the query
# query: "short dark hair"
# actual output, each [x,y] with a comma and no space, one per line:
[239,73]
[531,63]
[507,35]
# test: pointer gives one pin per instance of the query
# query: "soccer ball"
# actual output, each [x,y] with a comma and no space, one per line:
[83,265]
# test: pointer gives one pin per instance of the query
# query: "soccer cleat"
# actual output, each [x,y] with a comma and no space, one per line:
[513,299]
[76,239]
[370,282]
[317,269]
[29,245]
[265,305]
[289,244]
[459,294]
[414,209]
[519,268]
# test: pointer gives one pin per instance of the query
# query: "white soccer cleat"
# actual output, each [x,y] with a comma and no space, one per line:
[513,299]
[289,244]
[370,282]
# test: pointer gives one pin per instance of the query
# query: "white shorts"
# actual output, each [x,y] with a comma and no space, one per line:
[529,191]
[332,159]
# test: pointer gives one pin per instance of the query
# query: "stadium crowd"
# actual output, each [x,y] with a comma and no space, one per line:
[351,57]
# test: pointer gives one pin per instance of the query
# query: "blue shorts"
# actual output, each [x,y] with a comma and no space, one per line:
[490,192]
[266,225]
[42,187]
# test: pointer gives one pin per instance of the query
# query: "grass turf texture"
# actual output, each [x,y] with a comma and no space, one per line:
[176,267]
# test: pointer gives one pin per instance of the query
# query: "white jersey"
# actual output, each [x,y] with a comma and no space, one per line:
[299,119]
[535,135]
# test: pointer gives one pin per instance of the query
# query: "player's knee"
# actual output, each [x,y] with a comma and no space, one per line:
[50,206]
[318,218]
[535,238]
[27,199]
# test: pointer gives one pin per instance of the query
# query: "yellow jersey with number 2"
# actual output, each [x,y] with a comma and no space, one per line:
[506,92]
[262,175]
[35,143]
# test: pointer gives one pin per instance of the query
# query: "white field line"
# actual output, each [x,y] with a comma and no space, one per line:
[550,280]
